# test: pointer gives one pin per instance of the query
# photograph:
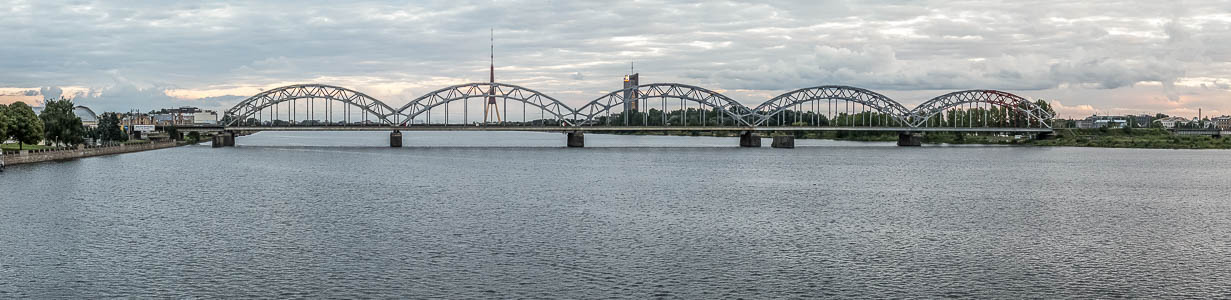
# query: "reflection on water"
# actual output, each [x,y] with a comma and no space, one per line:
[511,215]
[507,139]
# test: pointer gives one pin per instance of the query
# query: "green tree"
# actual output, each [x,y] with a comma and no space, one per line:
[60,124]
[4,124]
[109,128]
[24,126]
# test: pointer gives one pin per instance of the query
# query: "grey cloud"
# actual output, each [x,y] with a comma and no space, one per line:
[50,92]
[758,45]
[126,97]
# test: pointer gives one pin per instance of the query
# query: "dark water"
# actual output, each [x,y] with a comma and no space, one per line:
[707,221]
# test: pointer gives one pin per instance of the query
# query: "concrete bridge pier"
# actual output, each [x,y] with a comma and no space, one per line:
[224,139]
[576,140]
[395,139]
[750,139]
[783,141]
[910,139]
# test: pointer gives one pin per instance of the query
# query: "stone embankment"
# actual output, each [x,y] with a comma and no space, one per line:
[34,156]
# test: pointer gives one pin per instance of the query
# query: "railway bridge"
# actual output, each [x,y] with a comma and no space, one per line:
[653,107]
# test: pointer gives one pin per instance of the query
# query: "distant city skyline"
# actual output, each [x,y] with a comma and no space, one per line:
[1087,57]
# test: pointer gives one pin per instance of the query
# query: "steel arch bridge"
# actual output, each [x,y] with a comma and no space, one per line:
[981,101]
[683,92]
[875,101]
[463,92]
[248,108]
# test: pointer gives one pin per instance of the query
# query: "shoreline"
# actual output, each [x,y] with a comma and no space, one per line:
[39,156]
[1139,138]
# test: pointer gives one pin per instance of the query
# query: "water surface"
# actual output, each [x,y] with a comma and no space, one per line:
[509,215]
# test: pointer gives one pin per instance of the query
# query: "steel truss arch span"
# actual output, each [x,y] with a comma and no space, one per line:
[1033,113]
[462,92]
[266,99]
[712,99]
[874,100]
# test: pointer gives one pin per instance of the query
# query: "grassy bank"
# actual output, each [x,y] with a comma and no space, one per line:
[13,146]
[1134,138]
[1149,138]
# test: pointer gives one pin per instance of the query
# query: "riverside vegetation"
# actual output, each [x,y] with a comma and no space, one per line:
[1150,138]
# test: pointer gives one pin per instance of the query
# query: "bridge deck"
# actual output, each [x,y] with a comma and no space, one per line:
[605,128]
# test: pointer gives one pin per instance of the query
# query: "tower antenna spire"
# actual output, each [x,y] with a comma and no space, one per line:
[492,57]
[490,107]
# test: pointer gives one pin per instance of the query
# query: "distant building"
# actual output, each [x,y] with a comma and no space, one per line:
[630,96]
[1085,123]
[1097,121]
[87,115]
[1222,123]
[181,110]
[1172,122]
[1113,123]
[1143,120]
[88,118]
[185,115]
[205,117]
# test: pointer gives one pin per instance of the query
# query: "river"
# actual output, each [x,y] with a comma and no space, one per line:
[516,215]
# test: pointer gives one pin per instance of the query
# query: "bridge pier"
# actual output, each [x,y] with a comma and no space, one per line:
[783,141]
[395,139]
[576,140]
[910,139]
[750,139]
[224,139]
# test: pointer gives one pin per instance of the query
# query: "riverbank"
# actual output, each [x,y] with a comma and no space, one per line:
[1144,138]
[35,156]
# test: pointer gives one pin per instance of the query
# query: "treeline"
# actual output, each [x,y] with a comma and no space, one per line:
[56,125]
[993,116]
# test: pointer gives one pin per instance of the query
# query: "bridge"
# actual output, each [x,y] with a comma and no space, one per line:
[649,107]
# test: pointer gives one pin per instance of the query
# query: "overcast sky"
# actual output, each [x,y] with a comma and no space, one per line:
[1084,56]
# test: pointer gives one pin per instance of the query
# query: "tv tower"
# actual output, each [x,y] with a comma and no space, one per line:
[490,108]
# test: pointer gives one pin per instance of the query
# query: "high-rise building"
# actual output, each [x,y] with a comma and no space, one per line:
[631,94]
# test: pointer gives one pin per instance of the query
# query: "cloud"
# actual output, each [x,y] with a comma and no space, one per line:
[50,92]
[126,97]
[761,47]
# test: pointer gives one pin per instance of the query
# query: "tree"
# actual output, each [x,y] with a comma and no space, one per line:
[24,126]
[109,128]
[4,124]
[60,124]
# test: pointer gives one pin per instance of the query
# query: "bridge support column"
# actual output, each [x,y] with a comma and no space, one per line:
[395,139]
[910,139]
[224,139]
[783,141]
[750,139]
[576,140]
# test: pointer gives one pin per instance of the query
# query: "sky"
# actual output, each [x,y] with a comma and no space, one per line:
[1085,57]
